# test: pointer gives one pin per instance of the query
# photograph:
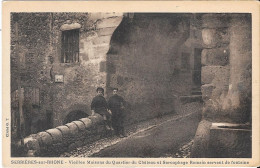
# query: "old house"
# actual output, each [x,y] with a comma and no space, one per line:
[157,60]
[65,56]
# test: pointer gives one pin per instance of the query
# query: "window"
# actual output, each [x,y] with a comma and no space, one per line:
[70,46]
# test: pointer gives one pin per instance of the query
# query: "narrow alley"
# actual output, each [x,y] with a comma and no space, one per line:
[152,138]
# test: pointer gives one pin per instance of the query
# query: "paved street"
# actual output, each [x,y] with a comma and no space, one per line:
[166,137]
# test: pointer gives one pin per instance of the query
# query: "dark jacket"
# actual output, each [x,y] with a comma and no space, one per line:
[116,102]
[99,105]
[116,105]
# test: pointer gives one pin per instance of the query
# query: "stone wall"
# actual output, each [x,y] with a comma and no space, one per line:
[30,50]
[39,49]
[110,55]
[81,79]
[226,77]
[55,141]
[226,71]
[144,62]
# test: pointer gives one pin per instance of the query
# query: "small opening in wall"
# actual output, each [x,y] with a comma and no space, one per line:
[70,46]
[75,115]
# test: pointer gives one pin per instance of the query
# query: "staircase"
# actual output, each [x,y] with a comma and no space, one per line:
[196,91]
[196,96]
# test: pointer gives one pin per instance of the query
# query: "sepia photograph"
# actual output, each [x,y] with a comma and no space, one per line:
[163,85]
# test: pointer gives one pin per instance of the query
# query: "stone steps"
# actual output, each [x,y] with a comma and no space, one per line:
[191,98]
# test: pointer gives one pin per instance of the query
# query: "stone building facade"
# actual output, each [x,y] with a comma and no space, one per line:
[59,89]
[149,57]
[226,76]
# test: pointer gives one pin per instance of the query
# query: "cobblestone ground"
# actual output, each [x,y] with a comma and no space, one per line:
[90,149]
[183,152]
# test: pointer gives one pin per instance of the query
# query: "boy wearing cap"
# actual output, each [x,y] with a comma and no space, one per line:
[99,105]
[117,104]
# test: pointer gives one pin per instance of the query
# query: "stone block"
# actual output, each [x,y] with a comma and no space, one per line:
[80,125]
[64,130]
[46,138]
[215,37]
[109,22]
[106,31]
[87,122]
[215,20]
[217,75]
[201,140]
[207,75]
[70,26]
[56,135]
[228,140]
[73,128]
[209,37]
[207,91]
[219,56]
[102,40]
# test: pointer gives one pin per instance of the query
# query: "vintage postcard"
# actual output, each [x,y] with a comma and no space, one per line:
[130,84]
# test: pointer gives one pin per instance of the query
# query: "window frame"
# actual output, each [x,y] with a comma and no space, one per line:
[70,46]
